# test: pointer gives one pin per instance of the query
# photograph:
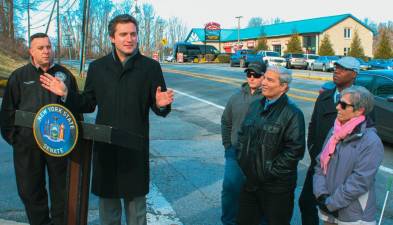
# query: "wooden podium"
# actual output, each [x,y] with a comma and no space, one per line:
[78,175]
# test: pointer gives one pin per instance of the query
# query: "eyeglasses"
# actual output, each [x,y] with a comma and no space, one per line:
[343,105]
[255,75]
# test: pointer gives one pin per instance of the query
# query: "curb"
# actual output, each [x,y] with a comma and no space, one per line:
[311,77]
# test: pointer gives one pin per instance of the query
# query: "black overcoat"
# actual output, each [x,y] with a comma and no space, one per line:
[322,120]
[123,95]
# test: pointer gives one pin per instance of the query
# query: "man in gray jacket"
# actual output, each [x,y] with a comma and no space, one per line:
[231,120]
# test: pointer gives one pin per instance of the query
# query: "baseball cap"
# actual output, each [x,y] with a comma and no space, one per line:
[257,67]
[349,63]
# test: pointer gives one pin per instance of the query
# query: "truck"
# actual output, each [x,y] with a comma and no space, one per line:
[272,58]
[192,51]
[243,58]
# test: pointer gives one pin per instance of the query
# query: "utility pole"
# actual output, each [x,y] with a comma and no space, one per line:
[238,29]
[50,17]
[86,6]
[58,33]
[28,22]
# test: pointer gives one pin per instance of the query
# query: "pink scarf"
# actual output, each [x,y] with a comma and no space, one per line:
[340,132]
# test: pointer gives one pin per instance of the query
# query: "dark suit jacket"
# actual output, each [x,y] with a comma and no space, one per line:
[124,96]
[322,120]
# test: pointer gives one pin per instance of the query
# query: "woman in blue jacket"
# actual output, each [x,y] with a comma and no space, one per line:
[344,179]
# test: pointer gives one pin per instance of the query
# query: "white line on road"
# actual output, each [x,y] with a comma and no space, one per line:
[382,168]
[200,99]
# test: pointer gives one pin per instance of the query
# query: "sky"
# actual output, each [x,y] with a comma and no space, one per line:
[197,13]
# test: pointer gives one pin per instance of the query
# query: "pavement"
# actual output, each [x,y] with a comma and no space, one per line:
[186,160]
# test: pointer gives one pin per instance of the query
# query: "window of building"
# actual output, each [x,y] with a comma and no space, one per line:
[346,51]
[347,32]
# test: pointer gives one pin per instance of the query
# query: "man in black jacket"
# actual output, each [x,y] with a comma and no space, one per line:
[322,120]
[124,85]
[24,92]
[271,143]
[231,120]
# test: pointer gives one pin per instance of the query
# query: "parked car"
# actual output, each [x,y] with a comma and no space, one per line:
[310,59]
[378,64]
[324,63]
[272,58]
[295,60]
[169,58]
[363,64]
[243,58]
[380,84]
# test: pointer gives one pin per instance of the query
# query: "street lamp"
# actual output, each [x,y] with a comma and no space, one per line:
[238,29]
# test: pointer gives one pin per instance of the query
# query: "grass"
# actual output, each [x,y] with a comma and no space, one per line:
[79,80]
[9,64]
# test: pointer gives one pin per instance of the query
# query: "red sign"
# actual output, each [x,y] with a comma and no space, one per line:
[180,57]
[212,26]
[155,56]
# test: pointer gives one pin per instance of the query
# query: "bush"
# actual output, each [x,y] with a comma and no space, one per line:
[210,57]
[223,58]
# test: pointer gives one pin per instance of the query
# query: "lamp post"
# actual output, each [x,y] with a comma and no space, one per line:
[238,29]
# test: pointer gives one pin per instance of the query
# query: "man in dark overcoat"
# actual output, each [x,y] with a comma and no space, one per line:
[124,85]
[322,121]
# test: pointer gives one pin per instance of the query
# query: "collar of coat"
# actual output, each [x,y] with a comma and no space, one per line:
[246,89]
[128,62]
[281,101]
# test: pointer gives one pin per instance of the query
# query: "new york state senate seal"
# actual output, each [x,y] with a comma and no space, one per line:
[55,130]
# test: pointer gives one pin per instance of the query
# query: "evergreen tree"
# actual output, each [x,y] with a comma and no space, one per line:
[294,45]
[384,48]
[326,46]
[262,44]
[356,49]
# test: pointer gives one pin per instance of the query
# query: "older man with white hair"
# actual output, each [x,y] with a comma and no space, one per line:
[271,143]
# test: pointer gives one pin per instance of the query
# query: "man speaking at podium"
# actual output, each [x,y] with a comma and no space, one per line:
[124,85]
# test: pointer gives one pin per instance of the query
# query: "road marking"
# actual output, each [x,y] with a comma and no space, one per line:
[9,222]
[382,168]
[199,99]
[237,82]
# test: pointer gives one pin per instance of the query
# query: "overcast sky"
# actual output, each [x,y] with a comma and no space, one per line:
[195,13]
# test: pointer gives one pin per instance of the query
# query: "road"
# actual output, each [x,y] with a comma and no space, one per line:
[187,156]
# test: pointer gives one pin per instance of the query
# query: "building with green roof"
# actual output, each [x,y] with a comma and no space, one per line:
[339,28]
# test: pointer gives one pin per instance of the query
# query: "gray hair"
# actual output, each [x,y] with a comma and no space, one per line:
[284,74]
[360,97]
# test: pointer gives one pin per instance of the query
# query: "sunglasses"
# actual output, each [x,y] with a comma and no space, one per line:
[343,105]
[255,75]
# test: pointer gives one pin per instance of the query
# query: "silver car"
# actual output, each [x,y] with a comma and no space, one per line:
[310,59]
[324,63]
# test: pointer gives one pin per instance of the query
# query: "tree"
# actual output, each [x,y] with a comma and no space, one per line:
[255,22]
[326,46]
[356,49]
[384,47]
[176,30]
[262,44]
[294,45]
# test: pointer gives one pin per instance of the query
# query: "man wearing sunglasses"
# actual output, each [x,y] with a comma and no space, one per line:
[231,120]
[322,120]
